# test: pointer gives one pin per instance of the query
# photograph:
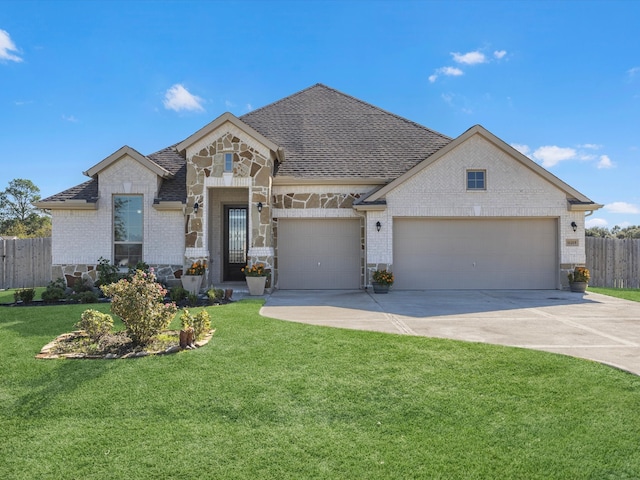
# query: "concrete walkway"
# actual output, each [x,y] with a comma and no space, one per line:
[591,326]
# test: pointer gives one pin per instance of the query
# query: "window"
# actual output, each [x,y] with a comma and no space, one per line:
[127,230]
[476,180]
[228,162]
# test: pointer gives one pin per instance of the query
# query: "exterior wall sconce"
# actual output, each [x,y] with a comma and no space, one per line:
[196,207]
[574,226]
[378,225]
[259,207]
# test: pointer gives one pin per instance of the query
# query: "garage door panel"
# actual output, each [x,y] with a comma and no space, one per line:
[319,254]
[475,253]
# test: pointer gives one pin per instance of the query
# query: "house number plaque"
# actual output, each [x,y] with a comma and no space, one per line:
[573,242]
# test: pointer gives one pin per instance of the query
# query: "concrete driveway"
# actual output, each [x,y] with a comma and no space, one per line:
[591,326]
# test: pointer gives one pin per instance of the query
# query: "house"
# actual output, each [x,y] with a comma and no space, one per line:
[323,189]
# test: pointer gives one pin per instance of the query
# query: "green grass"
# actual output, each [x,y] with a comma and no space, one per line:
[272,399]
[6,296]
[625,293]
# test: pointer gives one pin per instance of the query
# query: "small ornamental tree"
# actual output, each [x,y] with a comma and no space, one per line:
[138,301]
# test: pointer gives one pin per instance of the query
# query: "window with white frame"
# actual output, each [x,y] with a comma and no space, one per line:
[476,179]
[228,162]
[127,230]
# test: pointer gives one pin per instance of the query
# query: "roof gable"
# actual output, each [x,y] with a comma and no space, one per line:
[572,194]
[135,155]
[219,122]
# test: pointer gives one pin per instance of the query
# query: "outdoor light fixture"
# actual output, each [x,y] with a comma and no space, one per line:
[574,226]
[378,226]
[259,207]
[196,206]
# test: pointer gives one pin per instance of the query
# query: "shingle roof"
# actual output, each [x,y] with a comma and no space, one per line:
[173,189]
[87,191]
[326,133]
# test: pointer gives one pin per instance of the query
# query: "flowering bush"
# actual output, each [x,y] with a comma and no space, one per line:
[256,270]
[197,268]
[580,274]
[139,303]
[383,277]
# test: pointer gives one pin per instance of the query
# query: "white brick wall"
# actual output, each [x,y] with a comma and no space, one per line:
[163,230]
[439,190]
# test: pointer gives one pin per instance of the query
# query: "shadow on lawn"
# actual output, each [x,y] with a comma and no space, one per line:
[61,379]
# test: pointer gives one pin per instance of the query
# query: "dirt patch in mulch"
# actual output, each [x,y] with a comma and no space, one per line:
[78,345]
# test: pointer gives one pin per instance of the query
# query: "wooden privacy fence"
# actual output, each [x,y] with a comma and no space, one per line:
[613,262]
[25,262]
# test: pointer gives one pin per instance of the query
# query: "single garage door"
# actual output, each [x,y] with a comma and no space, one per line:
[475,254]
[319,254]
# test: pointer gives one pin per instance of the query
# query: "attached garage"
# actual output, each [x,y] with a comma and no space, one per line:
[475,253]
[319,254]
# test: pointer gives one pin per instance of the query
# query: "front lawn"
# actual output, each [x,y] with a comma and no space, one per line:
[625,293]
[272,399]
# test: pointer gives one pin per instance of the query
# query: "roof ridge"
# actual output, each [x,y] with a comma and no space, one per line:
[282,99]
[370,105]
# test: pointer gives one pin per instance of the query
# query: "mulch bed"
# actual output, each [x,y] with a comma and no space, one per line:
[114,346]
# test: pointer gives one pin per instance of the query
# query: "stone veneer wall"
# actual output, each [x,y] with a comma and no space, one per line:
[314,200]
[166,274]
[248,164]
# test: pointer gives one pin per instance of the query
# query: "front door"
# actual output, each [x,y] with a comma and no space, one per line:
[235,242]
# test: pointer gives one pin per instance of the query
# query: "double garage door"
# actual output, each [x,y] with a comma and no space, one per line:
[475,254]
[427,254]
[319,254]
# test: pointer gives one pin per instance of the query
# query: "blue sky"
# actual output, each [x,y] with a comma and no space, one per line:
[558,80]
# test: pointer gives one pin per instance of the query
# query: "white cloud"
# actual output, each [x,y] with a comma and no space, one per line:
[249,107]
[551,155]
[469,58]
[595,222]
[605,162]
[499,54]
[523,149]
[446,71]
[450,71]
[69,118]
[178,98]
[622,207]
[6,47]
[632,72]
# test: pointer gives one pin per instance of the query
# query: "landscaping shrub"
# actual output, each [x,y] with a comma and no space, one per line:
[192,299]
[178,293]
[85,297]
[54,292]
[107,273]
[139,303]
[96,324]
[215,295]
[201,323]
[24,294]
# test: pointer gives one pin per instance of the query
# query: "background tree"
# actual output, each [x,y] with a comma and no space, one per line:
[18,216]
[632,231]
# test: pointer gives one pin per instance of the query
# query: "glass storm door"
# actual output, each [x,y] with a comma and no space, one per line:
[235,242]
